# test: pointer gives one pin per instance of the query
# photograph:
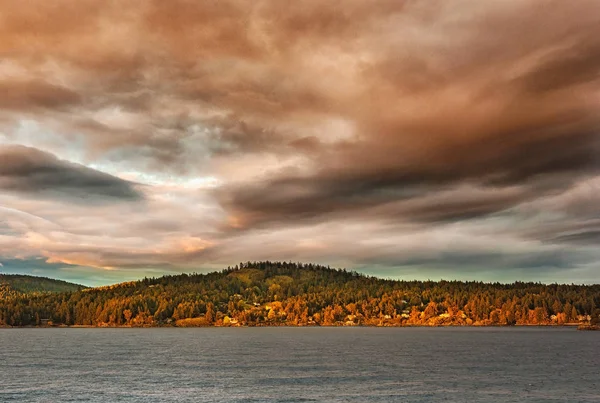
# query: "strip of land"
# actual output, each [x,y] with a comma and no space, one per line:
[291,294]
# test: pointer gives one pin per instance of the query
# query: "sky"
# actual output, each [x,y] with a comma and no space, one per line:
[402,139]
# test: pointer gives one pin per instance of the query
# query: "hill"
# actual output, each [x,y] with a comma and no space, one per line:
[280,293]
[17,284]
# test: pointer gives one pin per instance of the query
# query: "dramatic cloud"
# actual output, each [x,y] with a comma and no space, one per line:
[403,138]
[26,95]
[28,170]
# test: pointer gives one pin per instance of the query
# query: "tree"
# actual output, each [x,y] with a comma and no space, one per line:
[595,318]
[127,315]
[210,313]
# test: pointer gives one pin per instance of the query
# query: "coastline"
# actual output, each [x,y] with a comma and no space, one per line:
[166,326]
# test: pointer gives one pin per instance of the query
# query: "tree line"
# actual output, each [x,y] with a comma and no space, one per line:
[286,293]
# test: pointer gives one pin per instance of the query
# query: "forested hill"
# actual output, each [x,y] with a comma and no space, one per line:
[275,293]
[16,284]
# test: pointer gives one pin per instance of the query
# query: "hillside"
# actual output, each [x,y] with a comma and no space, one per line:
[16,284]
[276,293]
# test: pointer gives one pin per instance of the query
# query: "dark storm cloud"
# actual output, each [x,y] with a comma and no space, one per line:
[578,230]
[35,94]
[584,238]
[27,170]
[542,166]
[490,260]
[576,65]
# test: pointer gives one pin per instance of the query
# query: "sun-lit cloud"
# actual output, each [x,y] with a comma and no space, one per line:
[402,138]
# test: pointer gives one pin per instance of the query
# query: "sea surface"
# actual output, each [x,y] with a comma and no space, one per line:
[525,364]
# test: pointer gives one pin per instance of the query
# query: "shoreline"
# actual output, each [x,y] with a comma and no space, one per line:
[566,325]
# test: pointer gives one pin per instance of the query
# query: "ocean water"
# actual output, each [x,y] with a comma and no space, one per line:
[300,365]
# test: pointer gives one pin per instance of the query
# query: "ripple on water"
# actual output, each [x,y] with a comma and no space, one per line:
[299,365]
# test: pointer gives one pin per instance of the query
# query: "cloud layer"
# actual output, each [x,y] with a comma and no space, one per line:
[29,170]
[402,138]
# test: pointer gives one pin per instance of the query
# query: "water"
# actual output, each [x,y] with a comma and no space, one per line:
[300,364]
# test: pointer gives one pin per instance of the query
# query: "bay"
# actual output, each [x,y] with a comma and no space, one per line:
[357,364]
